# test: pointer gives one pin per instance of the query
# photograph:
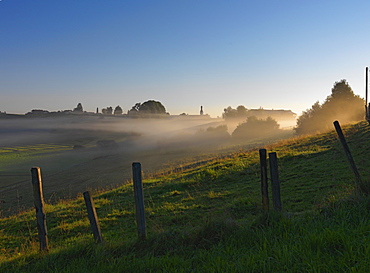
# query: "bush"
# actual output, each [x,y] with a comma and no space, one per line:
[254,127]
[218,133]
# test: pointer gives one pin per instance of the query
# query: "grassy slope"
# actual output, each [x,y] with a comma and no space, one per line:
[208,218]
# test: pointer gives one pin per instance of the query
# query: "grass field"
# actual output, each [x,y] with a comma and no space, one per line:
[207,217]
[54,158]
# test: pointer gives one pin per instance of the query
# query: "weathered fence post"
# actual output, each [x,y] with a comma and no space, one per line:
[139,200]
[366,94]
[39,206]
[264,180]
[93,217]
[348,152]
[275,182]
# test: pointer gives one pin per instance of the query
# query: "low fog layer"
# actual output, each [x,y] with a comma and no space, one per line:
[31,130]
[27,131]
[154,142]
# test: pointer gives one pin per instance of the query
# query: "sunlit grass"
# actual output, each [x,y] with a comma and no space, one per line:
[208,218]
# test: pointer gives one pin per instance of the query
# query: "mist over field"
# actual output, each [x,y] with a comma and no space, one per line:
[53,130]
[75,155]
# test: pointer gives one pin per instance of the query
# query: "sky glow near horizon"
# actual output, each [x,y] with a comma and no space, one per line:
[271,54]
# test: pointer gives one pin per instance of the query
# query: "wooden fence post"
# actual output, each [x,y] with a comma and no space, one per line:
[275,182]
[264,179]
[139,200]
[39,206]
[348,152]
[366,94]
[93,217]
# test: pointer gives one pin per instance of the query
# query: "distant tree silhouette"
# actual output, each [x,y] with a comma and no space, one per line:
[118,110]
[342,105]
[152,107]
[239,113]
[135,109]
[241,110]
[229,112]
[148,107]
[107,111]
[79,108]
[254,127]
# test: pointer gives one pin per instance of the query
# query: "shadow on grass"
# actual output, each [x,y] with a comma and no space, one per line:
[85,252]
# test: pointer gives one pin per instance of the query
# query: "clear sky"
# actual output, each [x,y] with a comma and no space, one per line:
[280,54]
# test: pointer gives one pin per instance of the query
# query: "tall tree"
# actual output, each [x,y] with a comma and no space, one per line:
[241,110]
[239,113]
[148,107]
[79,108]
[107,111]
[342,105]
[152,107]
[118,110]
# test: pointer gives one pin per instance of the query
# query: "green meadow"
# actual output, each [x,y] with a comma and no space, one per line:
[204,213]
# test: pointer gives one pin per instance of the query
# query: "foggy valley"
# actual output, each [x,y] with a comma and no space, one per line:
[73,157]
[79,151]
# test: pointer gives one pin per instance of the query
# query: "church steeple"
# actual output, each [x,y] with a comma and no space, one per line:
[201,110]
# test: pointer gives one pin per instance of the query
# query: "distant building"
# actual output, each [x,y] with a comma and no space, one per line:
[189,116]
[241,113]
[278,114]
[38,112]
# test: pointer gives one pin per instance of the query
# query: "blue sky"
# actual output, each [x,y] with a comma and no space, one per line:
[273,54]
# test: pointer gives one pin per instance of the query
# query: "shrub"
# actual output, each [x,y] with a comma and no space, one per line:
[254,127]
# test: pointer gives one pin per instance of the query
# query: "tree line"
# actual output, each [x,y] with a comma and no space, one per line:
[342,105]
[148,107]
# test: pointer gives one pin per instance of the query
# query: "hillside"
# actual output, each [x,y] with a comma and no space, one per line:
[207,217]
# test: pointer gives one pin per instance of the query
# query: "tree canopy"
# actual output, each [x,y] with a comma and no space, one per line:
[152,107]
[118,110]
[342,105]
[79,108]
[107,111]
[254,127]
[148,107]
[240,112]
